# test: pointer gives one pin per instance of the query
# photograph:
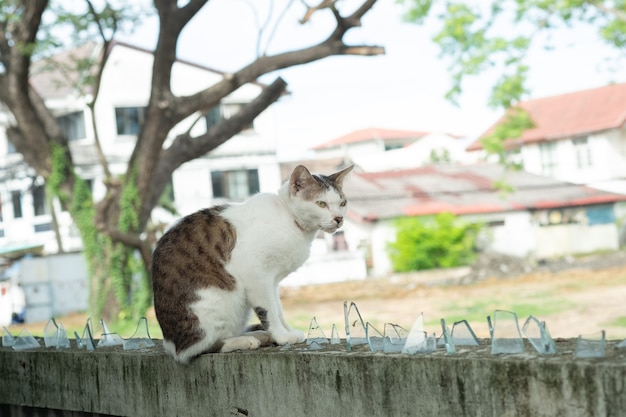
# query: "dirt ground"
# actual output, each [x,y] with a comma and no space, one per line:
[575,298]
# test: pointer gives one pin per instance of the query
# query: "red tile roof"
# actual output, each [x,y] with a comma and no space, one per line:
[371,133]
[573,114]
[461,190]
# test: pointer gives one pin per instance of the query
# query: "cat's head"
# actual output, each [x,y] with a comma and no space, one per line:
[318,201]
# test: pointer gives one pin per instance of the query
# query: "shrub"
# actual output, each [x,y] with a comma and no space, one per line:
[432,242]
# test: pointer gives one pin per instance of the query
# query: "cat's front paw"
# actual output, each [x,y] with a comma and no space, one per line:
[291,337]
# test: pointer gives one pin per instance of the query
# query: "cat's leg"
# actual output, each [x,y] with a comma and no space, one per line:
[244,342]
[248,341]
[267,306]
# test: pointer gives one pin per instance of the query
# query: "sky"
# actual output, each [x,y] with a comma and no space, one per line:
[403,89]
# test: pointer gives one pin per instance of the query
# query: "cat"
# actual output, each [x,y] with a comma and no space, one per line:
[217,266]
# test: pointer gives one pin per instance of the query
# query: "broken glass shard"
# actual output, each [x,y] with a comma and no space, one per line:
[334,336]
[506,337]
[54,335]
[141,338]
[416,337]
[316,334]
[50,333]
[417,341]
[25,340]
[86,341]
[395,338]
[374,338]
[447,337]
[538,335]
[355,326]
[63,341]
[108,338]
[621,344]
[463,335]
[7,338]
[314,345]
[591,346]
[286,346]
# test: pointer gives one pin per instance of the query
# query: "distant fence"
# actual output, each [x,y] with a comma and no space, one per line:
[271,382]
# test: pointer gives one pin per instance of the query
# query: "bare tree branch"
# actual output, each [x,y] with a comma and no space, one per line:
[185,148]
[334,45]
[310,10]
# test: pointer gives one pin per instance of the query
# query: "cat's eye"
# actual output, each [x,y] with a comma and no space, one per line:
[343,203]
[321,204]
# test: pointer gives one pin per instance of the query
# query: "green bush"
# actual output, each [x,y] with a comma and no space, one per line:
[432,242]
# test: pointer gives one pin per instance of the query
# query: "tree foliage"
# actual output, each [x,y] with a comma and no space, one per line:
[441,241]
[113,229]
[476,36]
[496,36]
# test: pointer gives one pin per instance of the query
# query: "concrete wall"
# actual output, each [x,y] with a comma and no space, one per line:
[271,382]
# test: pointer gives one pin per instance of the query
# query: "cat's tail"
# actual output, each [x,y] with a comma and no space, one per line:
[186,356]
[250,340]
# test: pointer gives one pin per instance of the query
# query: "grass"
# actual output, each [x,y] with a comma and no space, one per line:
[618,322]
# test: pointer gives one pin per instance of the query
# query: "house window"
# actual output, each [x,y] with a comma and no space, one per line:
[235,185]
[583,153]
[39,200]
[392,146]
[73,125]
[548,158]
[224,111]
[44,227]
[129,120]
[16,198]
[11,148]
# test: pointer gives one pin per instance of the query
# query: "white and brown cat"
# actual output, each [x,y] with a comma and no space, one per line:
[218,265]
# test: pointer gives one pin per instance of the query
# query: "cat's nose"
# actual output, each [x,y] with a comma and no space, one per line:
[338,219]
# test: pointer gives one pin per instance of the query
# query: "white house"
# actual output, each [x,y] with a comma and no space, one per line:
[378,149]
[578,137]
[245,164]
[540,218]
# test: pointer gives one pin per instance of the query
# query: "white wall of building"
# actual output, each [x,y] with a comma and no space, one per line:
[126,83]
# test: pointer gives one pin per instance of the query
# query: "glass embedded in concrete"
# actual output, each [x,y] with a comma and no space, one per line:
[108,338]
[334,336]
[375,339]
[538,335]
[355,326]
[50,333]
[316,334]
[63,341]
[395,338]
[447,338]
[591,346]
[463,335]
[54,335]
[418,341]
[7,338]
[506,337]
[25,340]
[86,341]
[141,338]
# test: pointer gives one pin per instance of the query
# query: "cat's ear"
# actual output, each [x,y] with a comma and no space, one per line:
[338,177]
[300,177]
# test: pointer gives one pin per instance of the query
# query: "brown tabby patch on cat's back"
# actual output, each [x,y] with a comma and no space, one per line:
[189,257]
